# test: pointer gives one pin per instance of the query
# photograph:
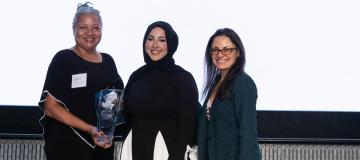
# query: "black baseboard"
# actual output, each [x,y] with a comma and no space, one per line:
[273,126]
[20,120]
[309,126]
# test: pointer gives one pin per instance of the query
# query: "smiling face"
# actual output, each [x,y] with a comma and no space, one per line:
[156,44]
[87,32]
[224,53]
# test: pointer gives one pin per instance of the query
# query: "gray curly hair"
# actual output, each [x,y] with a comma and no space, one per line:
[85,8]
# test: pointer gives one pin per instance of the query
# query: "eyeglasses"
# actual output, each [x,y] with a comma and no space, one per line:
[225,51]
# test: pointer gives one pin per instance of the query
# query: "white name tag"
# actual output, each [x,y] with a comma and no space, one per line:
[78,80]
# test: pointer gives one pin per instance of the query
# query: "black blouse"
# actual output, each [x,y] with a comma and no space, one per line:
[78,100]
[161,101]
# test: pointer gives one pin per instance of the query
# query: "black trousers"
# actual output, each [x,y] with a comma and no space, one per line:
[66,145]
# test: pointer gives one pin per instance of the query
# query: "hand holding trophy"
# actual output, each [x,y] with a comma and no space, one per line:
[109,104]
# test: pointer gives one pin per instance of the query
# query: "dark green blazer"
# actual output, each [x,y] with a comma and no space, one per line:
[231,132]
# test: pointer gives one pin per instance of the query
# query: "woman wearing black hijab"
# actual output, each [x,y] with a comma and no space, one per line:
[160,97]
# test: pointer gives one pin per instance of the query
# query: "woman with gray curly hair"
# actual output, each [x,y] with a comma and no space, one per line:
[68,97]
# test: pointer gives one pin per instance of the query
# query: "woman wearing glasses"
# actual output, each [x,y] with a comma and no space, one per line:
[227,121]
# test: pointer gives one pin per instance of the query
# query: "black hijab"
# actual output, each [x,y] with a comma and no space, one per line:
[167,63]
[172,44]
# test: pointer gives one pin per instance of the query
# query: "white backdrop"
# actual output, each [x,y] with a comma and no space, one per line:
[302,54]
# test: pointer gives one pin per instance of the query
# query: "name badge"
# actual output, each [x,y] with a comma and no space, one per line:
[78,80]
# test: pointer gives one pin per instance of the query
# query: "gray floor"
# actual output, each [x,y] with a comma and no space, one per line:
[16,149]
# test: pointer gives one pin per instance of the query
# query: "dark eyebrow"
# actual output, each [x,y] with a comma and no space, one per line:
[154,36]
[223,47]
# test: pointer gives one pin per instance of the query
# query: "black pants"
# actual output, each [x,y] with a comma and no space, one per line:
[66,145]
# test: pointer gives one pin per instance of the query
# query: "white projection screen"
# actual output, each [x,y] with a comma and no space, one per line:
[303,55]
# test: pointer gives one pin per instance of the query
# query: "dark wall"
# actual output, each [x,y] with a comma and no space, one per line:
[306,126]
[20,120]
[273,126]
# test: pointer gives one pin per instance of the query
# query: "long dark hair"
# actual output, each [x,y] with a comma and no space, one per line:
[212,73]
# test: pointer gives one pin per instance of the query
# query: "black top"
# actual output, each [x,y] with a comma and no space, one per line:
[165,102]
[161,96]
[79,100]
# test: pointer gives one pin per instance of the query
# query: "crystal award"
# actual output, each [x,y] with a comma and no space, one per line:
[109,104]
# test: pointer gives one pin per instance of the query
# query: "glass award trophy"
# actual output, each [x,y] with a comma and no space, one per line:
[109,104]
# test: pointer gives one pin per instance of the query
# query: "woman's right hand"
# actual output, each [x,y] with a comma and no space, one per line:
[98,135]
[55,110]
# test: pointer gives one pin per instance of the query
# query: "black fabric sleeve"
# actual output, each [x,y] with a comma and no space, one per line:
[125,128]
[57,82]
[187,103]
